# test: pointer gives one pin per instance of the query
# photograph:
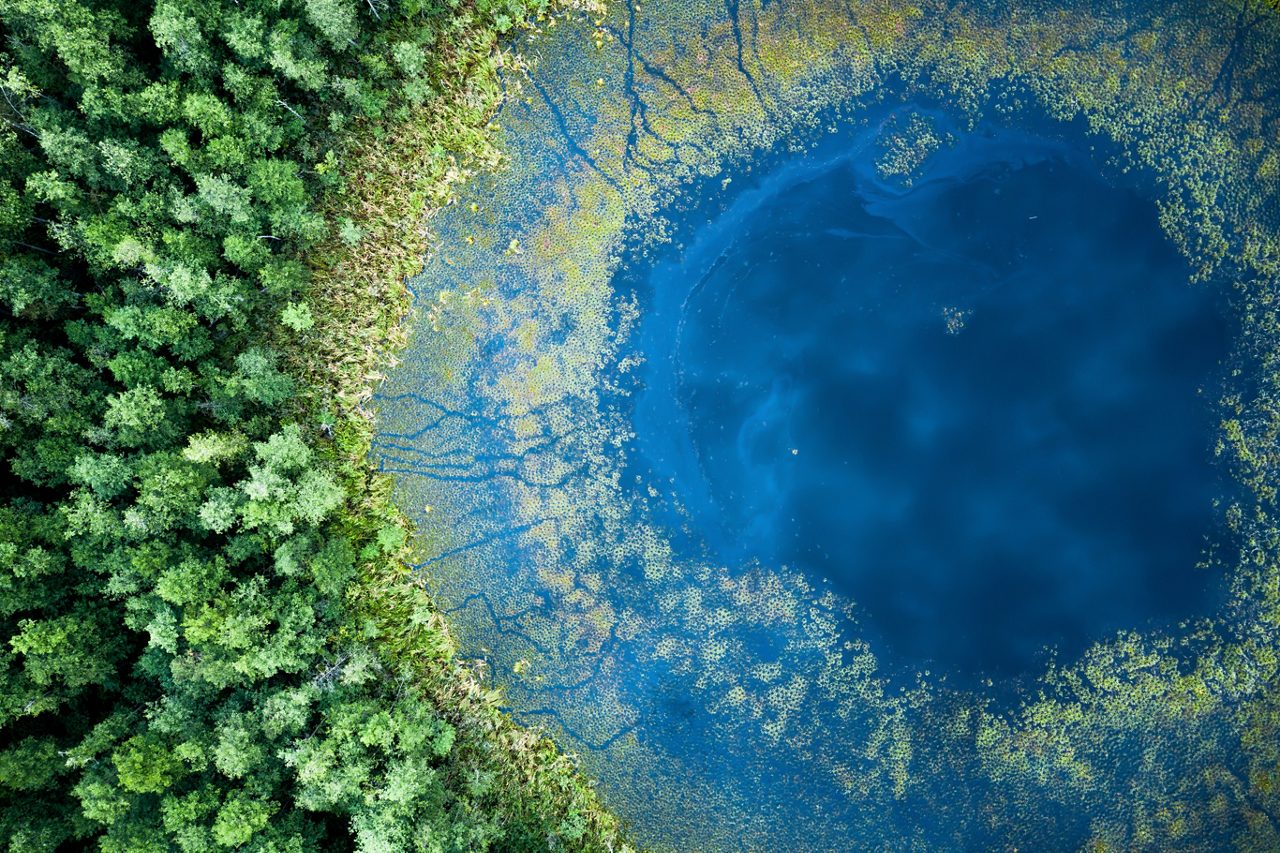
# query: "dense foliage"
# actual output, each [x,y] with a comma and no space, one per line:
[190,659]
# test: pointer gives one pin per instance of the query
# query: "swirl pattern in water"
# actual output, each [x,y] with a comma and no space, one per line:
[851,426]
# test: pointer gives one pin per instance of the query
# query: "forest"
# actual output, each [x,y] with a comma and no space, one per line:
[210,636]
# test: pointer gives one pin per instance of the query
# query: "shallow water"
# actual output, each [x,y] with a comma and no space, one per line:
[974,405]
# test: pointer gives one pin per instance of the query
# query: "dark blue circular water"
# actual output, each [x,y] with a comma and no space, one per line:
[978,405]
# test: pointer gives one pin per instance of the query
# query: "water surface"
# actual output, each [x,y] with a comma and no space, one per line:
[973,404]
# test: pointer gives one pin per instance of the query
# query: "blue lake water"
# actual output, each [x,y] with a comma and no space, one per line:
[978,404]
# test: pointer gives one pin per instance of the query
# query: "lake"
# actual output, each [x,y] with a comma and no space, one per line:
[976,405]
[851,425]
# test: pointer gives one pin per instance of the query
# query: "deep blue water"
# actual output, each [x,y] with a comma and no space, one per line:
[979,406]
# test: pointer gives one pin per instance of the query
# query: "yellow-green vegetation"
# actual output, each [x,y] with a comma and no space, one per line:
[211,639]
[512,429]
[906,146]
